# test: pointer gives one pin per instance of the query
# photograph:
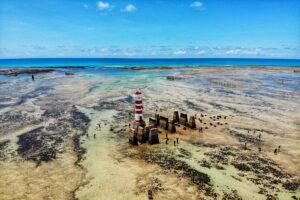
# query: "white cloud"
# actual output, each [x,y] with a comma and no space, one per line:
[36,50]
[180,52]
[196,4]
[85,5]
[239,51]
[129,8]
[201,52]
[103,50]
[104,6]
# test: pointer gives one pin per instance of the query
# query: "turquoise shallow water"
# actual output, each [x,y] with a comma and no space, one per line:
[94,69]
[98,62]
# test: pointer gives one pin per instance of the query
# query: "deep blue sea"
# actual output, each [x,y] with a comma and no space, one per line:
[99,62]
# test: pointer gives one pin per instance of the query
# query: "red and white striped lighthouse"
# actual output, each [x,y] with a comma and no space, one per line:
[138,106]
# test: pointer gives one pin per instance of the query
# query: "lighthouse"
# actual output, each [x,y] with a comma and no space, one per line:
[138,106]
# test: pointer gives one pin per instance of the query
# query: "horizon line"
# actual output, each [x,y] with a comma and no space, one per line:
[163,58]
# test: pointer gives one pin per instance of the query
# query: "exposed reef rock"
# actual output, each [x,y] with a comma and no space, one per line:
[69,73]
[38,145]
[74,121]
[36,92]
[3,145]
[68,67]
[292,185]
[169,162]
[43,143]
[3,82]
[80,151]
[184,153]
[205,163]
[19,71]
[173,78]
[193,106]
[19,120]
[265,172]
[76,124]
[245,138]
[155,68]
[231,196]
[241,166]
[118,105]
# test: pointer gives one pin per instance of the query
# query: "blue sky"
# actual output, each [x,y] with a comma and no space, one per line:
[150,28]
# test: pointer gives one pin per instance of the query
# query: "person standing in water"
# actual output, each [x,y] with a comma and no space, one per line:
[150,195]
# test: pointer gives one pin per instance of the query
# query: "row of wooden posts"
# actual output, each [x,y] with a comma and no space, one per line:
[149,133]
[164,123]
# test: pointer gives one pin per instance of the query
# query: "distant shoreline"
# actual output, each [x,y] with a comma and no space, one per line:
[140,62]
[140,58]
[154,68]
[141,68]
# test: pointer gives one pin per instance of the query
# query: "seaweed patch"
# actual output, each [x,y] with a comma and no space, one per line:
[169,162]
[38,146]
[3,146]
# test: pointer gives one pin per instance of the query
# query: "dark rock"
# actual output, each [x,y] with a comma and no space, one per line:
[295,198]
[43,144]
[80,151]
[231,196]
[291,185]
[241,166]
[185,153]
[3,145]
[3,82]
[172,78]
[245,138]
[205,163]
[219,167]
[34,145]
[191,105]
[167,161]
[270,197]
[18,71]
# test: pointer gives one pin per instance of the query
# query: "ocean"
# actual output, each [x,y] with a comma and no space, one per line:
[146,62]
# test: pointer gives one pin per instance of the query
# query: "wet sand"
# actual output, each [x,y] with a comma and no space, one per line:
[63,163]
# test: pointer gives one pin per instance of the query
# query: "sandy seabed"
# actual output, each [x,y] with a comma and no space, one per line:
[66,136]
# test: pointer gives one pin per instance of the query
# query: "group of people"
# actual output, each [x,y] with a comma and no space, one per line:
[276,150]
[176,142]
[254,132]
[98,128]
[87,135]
